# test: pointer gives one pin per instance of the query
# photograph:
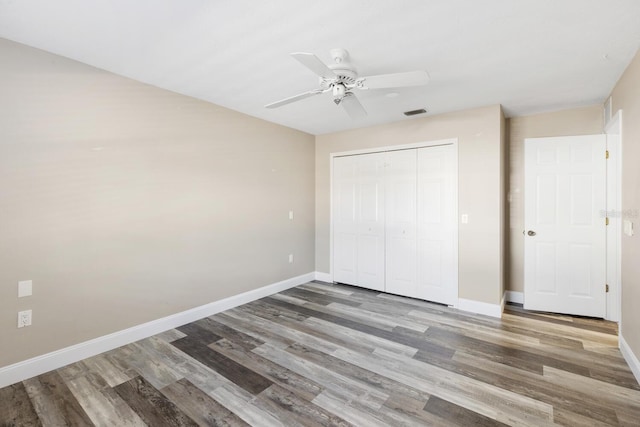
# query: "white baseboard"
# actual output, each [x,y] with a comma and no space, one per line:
[324,277]
[514,296]
[631,358]
[493,310]
[47,362]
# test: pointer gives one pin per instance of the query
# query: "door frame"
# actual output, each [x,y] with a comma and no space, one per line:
[614,213]
[449,141]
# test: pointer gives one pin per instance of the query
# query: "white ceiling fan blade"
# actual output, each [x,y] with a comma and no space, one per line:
[294,98]
[313,63]
[352,106]
[411,78]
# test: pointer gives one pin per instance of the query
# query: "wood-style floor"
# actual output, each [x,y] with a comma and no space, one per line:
[323,354]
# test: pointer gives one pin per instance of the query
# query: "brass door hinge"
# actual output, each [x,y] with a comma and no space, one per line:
[607,155]
[606,221]
[606,288]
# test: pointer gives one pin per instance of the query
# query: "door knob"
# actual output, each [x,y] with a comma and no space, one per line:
[531,233]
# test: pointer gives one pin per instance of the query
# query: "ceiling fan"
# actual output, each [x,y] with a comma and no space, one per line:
[341,79]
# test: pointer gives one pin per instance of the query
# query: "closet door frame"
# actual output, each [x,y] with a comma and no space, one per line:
[451,141]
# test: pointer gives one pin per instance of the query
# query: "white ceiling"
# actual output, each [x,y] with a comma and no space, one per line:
[528,55]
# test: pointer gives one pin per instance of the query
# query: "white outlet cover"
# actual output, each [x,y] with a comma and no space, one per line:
[25,288]
[290,214]
[24,318]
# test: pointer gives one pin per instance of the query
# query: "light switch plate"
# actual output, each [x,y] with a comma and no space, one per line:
[25,288]
[464,219]
[628,227]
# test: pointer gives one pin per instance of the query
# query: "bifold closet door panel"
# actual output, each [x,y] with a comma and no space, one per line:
[370,221]
[436,225]
[345,227]
[394,222]
[400,214]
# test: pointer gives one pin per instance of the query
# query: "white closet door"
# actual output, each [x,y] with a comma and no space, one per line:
[345,230]
[371,221]
[436,225]
[400,203]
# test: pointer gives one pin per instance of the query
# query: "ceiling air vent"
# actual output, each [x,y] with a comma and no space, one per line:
[414,112]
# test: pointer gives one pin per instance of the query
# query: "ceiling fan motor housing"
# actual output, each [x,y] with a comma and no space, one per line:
[341,78]
[342,67]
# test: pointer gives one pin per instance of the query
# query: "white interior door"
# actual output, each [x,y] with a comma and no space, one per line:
[437,225]
[345,227]
[400,203]
[371,221]
[565,229]
[358,220]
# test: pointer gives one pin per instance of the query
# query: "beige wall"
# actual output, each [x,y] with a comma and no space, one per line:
[479,159]
[625,97]
[578,121]
[125,203]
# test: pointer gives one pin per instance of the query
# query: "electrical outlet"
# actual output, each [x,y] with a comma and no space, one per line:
[290,258]
[24,318]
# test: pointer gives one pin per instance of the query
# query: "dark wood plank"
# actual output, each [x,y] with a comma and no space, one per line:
[236,319]
[623,378]
[328,334]
[246,341]
[458,415]
[597,366]
[525,384]
[418,343]
[16,408]
[154,408]
[562,342]
[589,324]
[302,386]
[249,380]
[261,308]
[563,417]
[54,401]
[199,406]
[197,332]
[102,404]
[349,370]
[519,358]
[292,410]
[383,319]
[414,409]
[319,298]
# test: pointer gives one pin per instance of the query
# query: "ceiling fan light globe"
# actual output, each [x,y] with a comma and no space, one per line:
[339,91]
